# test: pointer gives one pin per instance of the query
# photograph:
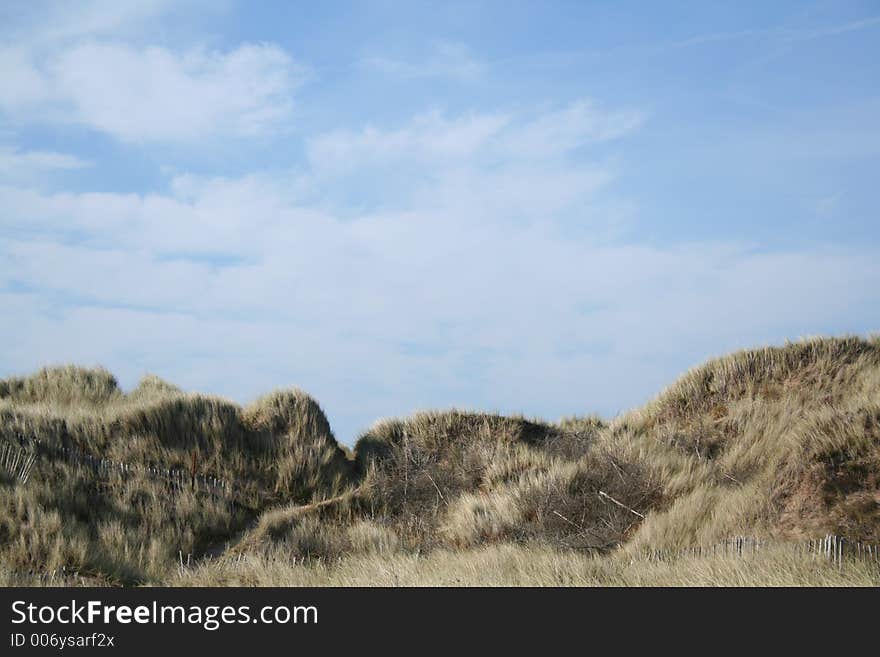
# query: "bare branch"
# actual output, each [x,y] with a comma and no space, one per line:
[620,504]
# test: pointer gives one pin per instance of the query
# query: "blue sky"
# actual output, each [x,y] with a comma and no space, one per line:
[546,208]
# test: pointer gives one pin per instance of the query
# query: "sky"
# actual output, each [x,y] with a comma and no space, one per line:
[548,208]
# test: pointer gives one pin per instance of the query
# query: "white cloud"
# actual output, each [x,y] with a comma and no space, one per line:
[92,66]
[446,59]
[153,93]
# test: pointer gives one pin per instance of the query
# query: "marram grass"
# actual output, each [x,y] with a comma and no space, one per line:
[779,443]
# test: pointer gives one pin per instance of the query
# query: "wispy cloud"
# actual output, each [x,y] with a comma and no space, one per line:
[828,31]
[826,206]
[19,163]
[430,136]
[433,137]
[503,165]
[442,59]
[779,36]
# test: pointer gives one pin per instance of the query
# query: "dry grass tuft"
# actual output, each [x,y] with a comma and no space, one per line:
[65,385]
[307,460]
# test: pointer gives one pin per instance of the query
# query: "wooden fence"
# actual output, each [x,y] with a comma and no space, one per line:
[17,461]
[833,548]
[177,478]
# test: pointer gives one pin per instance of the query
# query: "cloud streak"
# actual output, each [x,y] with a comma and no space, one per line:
[18,164]
[443,59]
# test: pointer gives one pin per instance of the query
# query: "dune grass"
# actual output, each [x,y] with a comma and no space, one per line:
[782,443]
[517,565]
[129,528]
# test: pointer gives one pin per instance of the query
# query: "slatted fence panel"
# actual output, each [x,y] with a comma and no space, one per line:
[18,461]
[835,549]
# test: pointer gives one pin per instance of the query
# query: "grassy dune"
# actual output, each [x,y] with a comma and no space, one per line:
[130,528]
[781,443]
